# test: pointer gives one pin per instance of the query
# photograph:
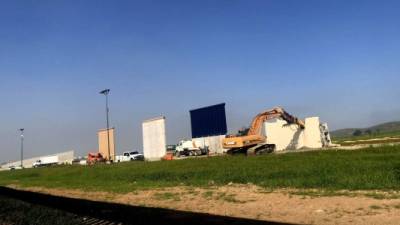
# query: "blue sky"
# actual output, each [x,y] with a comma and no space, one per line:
[335,59]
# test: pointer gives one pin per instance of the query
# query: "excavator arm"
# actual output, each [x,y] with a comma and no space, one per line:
[276,112]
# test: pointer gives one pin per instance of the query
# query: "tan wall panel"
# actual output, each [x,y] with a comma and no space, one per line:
[103,143]
[312,133]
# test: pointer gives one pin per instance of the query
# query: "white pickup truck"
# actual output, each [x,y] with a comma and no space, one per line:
[129,156]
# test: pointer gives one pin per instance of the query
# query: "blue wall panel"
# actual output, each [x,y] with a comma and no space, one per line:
[208,121]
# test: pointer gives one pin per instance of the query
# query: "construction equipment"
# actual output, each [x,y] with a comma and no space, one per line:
[168,156]
[95,157]
[189,148]
[254,142]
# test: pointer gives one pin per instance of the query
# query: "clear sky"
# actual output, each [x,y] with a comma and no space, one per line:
[335,59]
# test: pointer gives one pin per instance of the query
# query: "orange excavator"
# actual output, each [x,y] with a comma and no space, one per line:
[254,142]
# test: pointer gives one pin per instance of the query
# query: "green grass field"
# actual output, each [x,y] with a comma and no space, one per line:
[340,140]
[367,169]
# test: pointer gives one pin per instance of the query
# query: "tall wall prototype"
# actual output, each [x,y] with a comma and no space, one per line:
[312,133]
[103,143]
[209,127]
[154,138]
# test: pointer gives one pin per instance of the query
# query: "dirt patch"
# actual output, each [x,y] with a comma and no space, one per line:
[249,201]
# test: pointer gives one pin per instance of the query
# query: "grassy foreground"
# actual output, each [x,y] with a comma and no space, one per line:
[371,168]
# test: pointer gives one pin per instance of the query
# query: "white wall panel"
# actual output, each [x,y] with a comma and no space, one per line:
[154,138]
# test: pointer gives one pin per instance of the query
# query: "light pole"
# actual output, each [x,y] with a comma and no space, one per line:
[22,146]
[106,92]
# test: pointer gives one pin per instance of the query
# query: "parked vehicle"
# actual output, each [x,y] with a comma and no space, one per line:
[169,155]
[15,168]
[95,157]
[171,148]
[46,161]
[129,156]
[79,161]
[189,148]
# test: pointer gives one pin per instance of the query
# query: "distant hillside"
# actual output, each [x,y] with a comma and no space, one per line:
[377,129]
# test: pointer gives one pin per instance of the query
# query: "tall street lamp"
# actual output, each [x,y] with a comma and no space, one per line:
[106,92]
[22,146]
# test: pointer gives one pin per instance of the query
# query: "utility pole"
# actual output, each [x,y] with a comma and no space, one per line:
[106,92]
[22,146]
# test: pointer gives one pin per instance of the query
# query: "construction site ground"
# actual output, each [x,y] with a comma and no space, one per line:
[249,201]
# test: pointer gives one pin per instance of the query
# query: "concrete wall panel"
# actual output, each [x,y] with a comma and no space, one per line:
[284,136]
[214,143]
[312,133]
[154,138]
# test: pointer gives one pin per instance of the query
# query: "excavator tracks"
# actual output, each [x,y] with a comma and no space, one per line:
[261,149]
